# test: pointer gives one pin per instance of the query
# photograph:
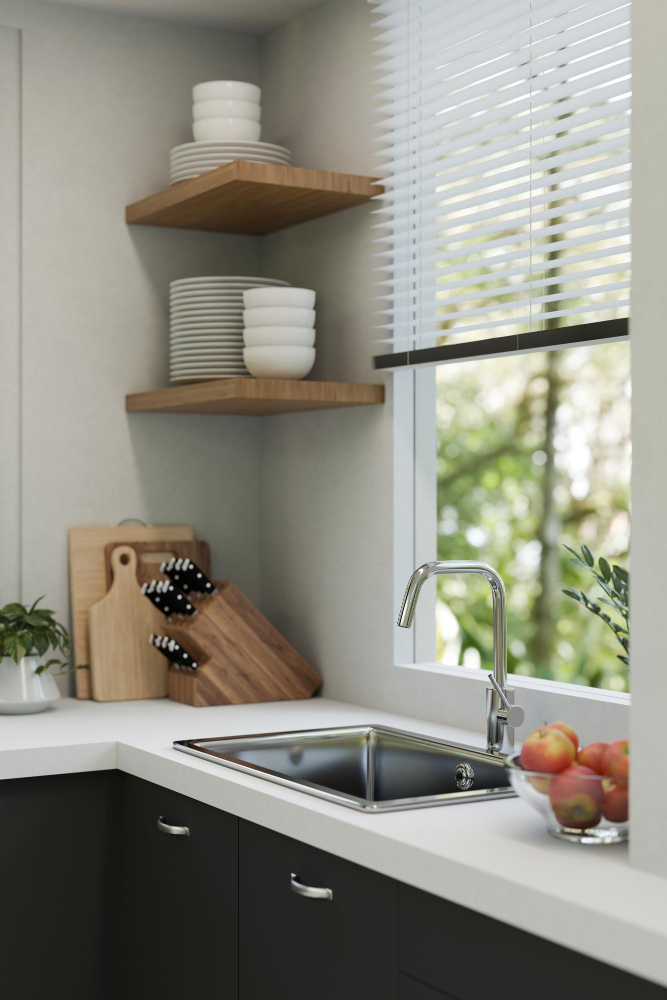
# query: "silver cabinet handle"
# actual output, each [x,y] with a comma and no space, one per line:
[176,831]
[311,891]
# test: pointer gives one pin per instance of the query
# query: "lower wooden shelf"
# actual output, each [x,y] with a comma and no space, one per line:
[254,397]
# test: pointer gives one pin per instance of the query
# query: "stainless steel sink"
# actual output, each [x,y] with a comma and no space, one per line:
[372,768]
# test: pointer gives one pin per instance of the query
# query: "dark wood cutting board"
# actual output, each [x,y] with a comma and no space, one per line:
[151,554]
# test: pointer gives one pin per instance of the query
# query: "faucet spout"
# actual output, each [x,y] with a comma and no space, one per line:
[499,731]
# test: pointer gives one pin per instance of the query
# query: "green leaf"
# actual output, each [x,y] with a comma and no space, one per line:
[605,568]
[589,558]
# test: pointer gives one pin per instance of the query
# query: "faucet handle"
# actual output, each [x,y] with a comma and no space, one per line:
[512,715]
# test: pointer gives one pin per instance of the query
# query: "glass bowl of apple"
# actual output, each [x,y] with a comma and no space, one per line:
[581,793]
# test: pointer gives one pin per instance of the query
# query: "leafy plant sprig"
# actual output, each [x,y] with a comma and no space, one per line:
[615,582]
[33,631]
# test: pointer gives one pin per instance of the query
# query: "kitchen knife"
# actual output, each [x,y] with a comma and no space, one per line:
[173,651]
[172,569]
[167,598]
[195,579]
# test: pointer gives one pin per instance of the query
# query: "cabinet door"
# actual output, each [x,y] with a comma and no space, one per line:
[179,896]
[300,946]
[467,955]
[57,839]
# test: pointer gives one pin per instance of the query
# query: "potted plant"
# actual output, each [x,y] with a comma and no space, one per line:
[26,636]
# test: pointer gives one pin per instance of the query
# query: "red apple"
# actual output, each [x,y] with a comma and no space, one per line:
[547,749]
[615,800]
[568,730]
[616,759]
[591,756]
[575,799]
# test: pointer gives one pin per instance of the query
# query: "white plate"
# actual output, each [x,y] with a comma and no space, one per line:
[224,279]
[222,144]
[206,359]
[207,319]
[197,372]
[183,166]
[208,378]
[212,156]
[205,338]
[231,296]
[223,365]
[203,313]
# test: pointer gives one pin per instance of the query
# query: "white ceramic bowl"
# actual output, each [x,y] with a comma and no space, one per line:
[230,90]
[279,336]
[302,298]
[279,362]
[227,109]
[278,316]
[226,128]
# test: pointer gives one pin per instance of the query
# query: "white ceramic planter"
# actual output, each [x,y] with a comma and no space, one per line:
[22,690]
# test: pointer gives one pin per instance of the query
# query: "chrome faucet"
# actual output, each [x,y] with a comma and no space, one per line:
[502,715]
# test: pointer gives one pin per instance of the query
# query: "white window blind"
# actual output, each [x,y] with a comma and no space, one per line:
[506,165]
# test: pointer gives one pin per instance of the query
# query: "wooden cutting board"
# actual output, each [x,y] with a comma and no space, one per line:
[88,582]
[151,554]
[123,665]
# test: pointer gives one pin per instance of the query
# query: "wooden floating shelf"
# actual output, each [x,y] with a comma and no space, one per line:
[254,397]
[252,198]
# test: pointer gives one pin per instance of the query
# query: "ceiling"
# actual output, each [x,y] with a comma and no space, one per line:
[256,16]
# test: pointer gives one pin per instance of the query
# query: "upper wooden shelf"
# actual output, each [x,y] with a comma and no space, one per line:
[252,198]
[254,397]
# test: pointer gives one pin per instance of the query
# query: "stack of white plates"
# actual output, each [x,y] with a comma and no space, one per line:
[195,158]
[206,327]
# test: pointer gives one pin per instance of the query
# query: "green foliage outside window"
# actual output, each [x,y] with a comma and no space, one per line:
[533,455]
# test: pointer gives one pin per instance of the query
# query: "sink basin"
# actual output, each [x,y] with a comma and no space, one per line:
[372,768]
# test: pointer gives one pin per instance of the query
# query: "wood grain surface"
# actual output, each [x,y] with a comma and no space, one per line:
[123,665]
[252,198]
[151,554]
[255,397]
[242,657]
[88,583]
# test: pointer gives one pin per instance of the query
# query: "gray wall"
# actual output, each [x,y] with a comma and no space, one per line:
[649,413]
[103,99]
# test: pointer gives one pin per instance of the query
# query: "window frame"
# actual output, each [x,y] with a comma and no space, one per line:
[594,711]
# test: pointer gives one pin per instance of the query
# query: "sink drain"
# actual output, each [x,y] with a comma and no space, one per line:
[464,775]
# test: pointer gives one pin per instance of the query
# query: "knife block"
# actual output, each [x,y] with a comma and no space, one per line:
[242,658]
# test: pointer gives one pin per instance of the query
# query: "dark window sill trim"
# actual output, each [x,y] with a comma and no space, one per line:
[604,332]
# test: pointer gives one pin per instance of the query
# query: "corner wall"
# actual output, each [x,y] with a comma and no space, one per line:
[102,100]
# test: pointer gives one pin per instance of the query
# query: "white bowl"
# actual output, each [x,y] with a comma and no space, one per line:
[279,336]
[278,316]
[230,90]
[302,298]
[227,109]
[279,362]
[226,128]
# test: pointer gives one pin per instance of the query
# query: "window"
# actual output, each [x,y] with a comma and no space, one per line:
[504,260]
[533,454]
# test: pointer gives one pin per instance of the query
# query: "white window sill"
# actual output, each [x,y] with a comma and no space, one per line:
[596,714]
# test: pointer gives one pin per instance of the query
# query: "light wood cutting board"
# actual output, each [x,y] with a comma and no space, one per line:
[88,582]
[151,554]
[123,665]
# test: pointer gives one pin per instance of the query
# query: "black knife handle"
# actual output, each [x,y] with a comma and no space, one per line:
[195,578]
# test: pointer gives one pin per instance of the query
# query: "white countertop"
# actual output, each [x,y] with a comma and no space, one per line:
[494,857]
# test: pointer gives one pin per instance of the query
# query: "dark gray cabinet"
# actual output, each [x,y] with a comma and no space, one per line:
[58,912]
[99,904]
[412,989]
[298,947]
[178,896]
[471,957]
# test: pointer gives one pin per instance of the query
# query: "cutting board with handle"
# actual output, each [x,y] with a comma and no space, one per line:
[123,665]
[88,580]
[151,554]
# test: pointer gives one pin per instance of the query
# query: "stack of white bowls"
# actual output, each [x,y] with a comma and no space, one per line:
[279,332]
[206,327]
[226,126]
